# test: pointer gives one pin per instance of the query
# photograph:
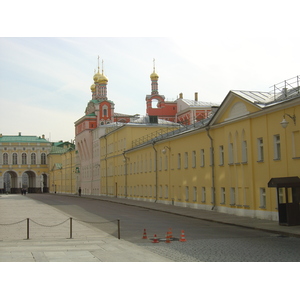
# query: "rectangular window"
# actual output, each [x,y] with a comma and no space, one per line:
[222,194]
[281,195]
[195,196]
[221,155]
[277,151]
[194,159]
[186,160]
[166,162]
[179,161]
[160,191]
[244,152]
[43,159]
[260,149]
[5,159]
[24,158]
[166,191]
[232,196]
[14,159]
[203,195]
[186,193]
[262,198]
[202,158]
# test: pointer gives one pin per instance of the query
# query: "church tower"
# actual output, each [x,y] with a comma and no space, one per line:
[104,108]
[156,105]
[99,110]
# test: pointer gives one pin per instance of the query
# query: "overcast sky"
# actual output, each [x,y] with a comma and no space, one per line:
[209,48]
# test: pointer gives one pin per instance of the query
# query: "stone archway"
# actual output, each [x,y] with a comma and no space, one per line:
[10,182]
[29,182]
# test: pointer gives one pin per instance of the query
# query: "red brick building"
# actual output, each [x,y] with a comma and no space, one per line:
[181,110]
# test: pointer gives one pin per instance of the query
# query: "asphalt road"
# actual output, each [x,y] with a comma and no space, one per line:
[206,241]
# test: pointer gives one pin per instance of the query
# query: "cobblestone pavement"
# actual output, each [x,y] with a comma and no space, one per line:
[274,248]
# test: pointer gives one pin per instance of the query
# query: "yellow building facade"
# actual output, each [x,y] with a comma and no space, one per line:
[114,165]
[223,163]
[62,168]
[24,163]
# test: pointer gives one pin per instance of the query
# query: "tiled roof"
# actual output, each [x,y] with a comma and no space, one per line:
[58,148]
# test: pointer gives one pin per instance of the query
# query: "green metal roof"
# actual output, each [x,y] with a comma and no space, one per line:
[61,147]
[22,139]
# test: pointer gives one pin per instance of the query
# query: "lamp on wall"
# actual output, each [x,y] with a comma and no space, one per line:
[284,123]
[164,150]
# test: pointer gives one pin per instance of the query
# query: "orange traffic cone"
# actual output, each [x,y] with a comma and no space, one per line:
[168,238]
[182,237]
[145,235]
[155,240]
[170,233]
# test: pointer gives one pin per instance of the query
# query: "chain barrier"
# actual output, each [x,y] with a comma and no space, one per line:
[95,222]
[48,225]
[70,219]
[13,223]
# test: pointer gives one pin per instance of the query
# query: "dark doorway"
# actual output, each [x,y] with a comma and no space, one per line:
[288,197]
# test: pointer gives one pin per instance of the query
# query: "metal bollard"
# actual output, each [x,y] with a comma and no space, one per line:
[70,228]
[119,230]
[27,228]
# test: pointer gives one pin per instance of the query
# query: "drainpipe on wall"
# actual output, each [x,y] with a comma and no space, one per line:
[106,188]
[125,161]
[212,167]
[156,174]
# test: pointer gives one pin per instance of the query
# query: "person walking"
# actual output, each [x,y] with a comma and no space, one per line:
[79,191]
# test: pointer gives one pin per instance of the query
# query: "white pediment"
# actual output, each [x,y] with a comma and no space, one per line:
[239,109]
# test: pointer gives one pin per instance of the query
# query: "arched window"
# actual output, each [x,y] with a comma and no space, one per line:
[15,159]
[244,148]
[43,159]
[24,158]
[104,110]
[230,150]
[154,103]
[5,158]
[33,159]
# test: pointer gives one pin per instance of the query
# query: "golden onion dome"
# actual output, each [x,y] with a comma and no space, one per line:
[97,76]
[93,87]
[154,76]
[102,79]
